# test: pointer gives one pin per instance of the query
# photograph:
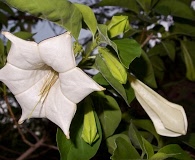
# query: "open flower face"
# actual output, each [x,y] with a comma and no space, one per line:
[45,80]
[168,118]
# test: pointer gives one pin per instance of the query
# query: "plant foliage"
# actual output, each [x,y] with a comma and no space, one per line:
[133,40]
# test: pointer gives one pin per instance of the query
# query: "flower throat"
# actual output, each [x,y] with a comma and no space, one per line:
[52,77]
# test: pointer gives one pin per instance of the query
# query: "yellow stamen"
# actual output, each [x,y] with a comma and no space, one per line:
[49,82]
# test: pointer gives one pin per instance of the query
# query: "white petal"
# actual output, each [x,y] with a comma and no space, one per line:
[169,118]
[60,110]
[57,52]
[56,107]
[76,85]
[18,80]
[23,54]
[159,126]
[29,99]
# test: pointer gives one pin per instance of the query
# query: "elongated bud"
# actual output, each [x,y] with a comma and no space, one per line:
[169,118]
[118,25]
[89,133]
[115,67]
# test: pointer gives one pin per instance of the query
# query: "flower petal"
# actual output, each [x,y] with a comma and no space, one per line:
[158,124]
[169,118]
[59,109]
[30,102]
[57,52]
[23,54]
[56,106]
[76,84]
[18,80]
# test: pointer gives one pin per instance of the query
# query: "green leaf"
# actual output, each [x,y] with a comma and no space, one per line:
[149,77]
[108,112]
[154,2]
[145,4]
[183,29]
[89,133]
[157,63]
[103,37]
[100,79]
[140,141]
[124,150]
[110,141]
[130,4]
[188,48]
[164,48]
[76,147]
[101,66]
[172,150]
[3,19]
[188,2]
[175,8]
[22,35]
[118,25]
[158,49]
[129,92]
[143,69]
[61,12]
[169,47]
[1,48]
[161,156]
[189,139]
[128,49]
[135,137]
[88,17]
[2,54]
[115,67]
[148,148]
[148,126]
[6,8]
[158,66]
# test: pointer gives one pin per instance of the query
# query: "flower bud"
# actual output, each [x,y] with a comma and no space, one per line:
[168,118]
[89,133]
[118,25]
[115,67]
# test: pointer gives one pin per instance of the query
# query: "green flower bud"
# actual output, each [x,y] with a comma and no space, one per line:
[89,133]
[118,25]
[115,67]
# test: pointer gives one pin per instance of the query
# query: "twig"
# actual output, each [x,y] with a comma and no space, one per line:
[9,150]
[50,146]
[15,121]
[38,155]
[142,35]
[32,133]
[4,158]
[146,40]
[31,149]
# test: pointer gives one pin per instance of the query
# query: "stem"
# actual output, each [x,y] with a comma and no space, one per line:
[14,118]
[31,149]
[142,35]
[88,53]
[146,40]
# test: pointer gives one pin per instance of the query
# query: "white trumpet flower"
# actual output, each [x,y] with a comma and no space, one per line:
[169,119]
[45,80]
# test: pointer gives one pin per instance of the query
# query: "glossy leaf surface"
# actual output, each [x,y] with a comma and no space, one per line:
[69,149]
[66,15]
